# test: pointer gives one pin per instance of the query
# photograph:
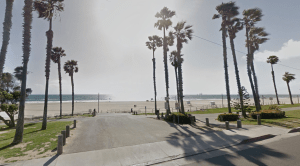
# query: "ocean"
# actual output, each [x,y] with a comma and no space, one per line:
[35,98]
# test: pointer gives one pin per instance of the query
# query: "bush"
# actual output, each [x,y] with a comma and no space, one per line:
[268,114]
[228,117]
[274,107]
[183,118]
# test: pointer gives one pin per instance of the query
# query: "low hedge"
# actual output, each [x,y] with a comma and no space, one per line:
[228,117]
[268,114]
[183,118]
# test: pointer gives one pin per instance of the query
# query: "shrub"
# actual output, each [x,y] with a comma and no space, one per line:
[228,117]
[183,118]
[274,107]
[268,114]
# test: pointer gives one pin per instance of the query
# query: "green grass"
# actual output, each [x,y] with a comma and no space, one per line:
[33,136]
[225,110]
[292,120]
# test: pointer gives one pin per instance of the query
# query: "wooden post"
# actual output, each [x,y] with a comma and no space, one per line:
[239,124]
[258,120]
[63,133]
[207,121]
[67,131]
[60,144]
[227,125]
[74,124]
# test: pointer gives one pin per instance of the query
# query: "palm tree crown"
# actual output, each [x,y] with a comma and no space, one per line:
[154,42]
[182,34]
[56,53]
[288,77]
[46,8]
[71,67]
[273,59]
[165,14]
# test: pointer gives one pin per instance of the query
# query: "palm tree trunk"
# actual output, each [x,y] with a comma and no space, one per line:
[290,93]
[251,81]
[255,83]
[49,35]
[60,95]
[225,64]
[180,86]
[237,77]
[26,53]
[6,34]
[154,82]
[72,93]
[176,76]
[249,70]
[273,76]
[166,72]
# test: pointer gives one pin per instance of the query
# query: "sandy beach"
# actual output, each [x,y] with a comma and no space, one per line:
[36,109]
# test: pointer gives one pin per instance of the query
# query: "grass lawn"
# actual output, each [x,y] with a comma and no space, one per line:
[292,120]
[36,142]
[225,110]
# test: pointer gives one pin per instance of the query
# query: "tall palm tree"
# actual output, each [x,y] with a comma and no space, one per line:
[46,9]
[182,33]
[226,10]
[273,59]
[6,33]
[234,26]
[288,77]
[152,44]
[163,24]
[257,36]
[250,18]
[174,63]
[56,53]
[71,67]
[26,53]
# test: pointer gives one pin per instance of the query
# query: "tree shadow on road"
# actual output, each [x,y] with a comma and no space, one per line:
[195,146]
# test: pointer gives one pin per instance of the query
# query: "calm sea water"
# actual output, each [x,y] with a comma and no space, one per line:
[67,98]
[94,97]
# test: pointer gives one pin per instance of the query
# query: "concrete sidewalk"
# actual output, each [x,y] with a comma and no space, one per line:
[159,152]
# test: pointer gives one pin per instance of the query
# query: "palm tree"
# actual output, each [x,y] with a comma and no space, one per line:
[288,77]
[273,59]
[46,9]
[26,53]
[174,62]
[182,33]
[152,44]
[250,17]
[257,36]
[163,24]
[71,68]
[56,53]
[225,11]
[234,26]
[6,33]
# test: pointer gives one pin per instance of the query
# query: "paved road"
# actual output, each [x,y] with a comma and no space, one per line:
[282,152]
[106,131]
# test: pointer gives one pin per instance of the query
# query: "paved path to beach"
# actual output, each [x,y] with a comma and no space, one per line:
[106,131]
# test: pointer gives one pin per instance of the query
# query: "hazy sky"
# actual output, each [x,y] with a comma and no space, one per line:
[107,38]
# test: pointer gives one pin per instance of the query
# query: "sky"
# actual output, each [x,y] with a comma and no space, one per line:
[107,38]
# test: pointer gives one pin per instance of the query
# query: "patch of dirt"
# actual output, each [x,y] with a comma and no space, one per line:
[53,139]
[21,145]
[31,154]
[2,132]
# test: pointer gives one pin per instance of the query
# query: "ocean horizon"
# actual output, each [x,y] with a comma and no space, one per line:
[54,98]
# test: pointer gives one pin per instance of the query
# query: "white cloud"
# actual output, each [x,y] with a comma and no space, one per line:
[289,50]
